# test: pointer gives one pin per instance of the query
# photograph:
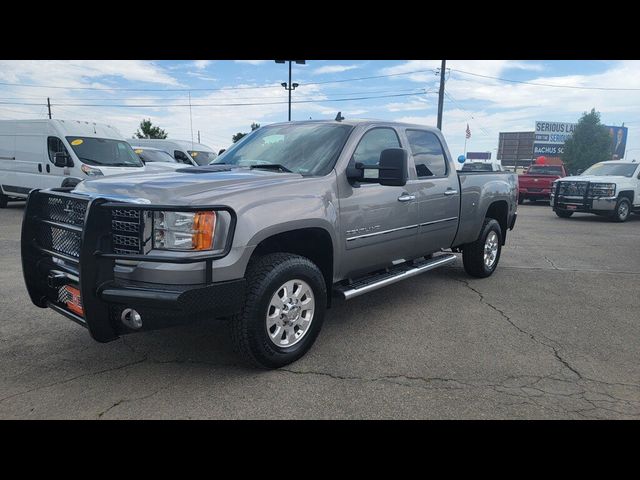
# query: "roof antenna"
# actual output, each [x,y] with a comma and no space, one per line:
[339,117]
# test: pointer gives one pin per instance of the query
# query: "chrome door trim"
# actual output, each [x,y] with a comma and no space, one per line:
[439,221]
[375,234]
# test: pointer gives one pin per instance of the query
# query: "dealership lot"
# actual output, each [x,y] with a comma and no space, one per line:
[554,333]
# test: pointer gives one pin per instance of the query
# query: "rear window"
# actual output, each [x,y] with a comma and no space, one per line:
[477,167]
[545,170]
[104,152]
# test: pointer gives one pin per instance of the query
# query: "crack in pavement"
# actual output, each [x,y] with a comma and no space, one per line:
[127,400]
[557,355]
[550,262]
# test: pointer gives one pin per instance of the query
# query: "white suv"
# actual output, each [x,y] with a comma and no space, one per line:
[606,188]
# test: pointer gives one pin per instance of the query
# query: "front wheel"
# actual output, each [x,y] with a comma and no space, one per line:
[283,311]
[480,258]
[563,213]
[623,209]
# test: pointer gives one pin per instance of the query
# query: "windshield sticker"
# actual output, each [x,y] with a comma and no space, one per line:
[194,154]
[77,141]
[139,151]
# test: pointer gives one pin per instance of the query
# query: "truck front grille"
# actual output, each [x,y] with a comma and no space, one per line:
[128,231]
[65,211]
[573,189]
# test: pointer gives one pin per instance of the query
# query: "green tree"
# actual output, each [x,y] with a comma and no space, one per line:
[148,130]
[239,135]
[589,144]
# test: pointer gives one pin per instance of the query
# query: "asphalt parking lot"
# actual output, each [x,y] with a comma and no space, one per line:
[554,333]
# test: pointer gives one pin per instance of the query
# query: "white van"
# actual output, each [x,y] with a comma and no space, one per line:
[55,153]
[156,160]
[183,151]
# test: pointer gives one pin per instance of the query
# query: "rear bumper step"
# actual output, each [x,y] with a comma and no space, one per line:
[395,274]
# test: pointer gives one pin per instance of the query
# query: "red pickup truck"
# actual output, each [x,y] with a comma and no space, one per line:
[535,183]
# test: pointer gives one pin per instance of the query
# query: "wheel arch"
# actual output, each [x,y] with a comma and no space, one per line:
[499,210]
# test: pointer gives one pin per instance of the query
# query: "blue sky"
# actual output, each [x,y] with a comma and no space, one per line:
[160,90]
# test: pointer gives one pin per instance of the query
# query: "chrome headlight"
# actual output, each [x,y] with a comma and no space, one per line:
[603,189]
[184,230]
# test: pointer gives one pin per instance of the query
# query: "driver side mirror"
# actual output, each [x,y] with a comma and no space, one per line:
[393,169]
[62,159]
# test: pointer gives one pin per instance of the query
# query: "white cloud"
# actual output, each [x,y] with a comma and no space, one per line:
[201,64]
[334,69]
[252,62]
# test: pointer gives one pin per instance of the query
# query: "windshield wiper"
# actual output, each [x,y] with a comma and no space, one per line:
[271,166]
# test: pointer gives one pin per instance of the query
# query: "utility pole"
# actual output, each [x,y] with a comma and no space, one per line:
[441,94]
[290,86]
[49,107]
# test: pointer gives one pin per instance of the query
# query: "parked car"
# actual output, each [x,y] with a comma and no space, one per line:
[607,188]
[288,218]
[184,151]
[54,153]
[535,183]
[156,160]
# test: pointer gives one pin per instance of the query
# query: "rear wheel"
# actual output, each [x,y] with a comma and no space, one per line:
[563,213]
[283,311]
[3,200]
[520,200]
[623,209]
[480,258]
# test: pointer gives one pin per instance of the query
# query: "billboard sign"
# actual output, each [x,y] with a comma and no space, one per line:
[549,138]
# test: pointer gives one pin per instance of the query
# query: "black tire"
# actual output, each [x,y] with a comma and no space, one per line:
[563,213]
[520,200]
[248,329]
[622,211]
[473,253]
[3,200]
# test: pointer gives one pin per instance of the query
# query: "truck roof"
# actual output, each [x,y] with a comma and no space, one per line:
[186,144]
[362,121]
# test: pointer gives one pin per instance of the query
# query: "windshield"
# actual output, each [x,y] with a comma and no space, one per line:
[304,148]
[477,167]
[545,170]
[104,152]
[154,156]
[202,158]
[612,169]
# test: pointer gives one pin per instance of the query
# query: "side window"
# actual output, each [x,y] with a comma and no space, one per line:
[181,157]
[373,143]
[55,145]
[427,154]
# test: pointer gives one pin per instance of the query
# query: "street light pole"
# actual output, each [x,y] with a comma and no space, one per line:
[290,86]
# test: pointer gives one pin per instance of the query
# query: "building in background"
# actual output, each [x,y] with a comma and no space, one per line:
[515,149]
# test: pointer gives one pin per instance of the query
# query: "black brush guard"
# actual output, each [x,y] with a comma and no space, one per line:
[67,240]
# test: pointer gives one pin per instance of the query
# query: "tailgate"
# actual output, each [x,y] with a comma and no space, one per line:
[536,181]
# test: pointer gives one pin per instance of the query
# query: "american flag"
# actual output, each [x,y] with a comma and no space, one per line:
[468,131]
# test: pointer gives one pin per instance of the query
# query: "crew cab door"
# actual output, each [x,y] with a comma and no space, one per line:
[376,221]
[437,191]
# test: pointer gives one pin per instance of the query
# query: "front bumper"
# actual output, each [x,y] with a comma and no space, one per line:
[584,204]
[67,241]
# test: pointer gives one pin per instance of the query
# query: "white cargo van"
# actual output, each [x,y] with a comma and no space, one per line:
[184,151]
[55,153]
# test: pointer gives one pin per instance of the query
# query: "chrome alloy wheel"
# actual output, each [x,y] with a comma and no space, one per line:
[623,210]
[290,313]
[491,249]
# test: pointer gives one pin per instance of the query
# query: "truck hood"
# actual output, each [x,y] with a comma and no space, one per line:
[176,187]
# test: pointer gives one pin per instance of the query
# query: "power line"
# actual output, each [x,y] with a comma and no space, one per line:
[193,89]
[482,129]
[546,84]
[212,104]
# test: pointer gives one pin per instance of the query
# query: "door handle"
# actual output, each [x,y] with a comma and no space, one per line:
[450,192]
[40,167]
[48,168]
[405,197]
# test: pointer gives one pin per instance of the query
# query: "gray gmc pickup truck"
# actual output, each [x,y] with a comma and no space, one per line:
[287,220]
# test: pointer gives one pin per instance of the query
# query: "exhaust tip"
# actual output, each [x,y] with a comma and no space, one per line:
[131,318]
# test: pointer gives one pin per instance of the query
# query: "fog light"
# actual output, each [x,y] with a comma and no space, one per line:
[131,318]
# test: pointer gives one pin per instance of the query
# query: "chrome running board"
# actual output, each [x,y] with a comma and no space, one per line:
[392,275]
